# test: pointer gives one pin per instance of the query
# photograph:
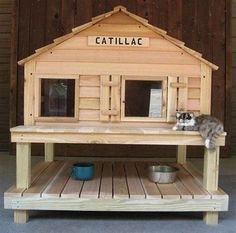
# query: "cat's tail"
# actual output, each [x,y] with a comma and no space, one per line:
[210,141]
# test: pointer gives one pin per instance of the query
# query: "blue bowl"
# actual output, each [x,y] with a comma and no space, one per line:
[82,171]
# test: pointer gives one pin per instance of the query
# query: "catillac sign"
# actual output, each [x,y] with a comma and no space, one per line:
[118,41]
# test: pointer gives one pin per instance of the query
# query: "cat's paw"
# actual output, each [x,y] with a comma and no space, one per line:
[209,145]
[175,128]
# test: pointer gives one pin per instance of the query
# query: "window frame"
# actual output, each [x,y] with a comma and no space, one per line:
[37,94]
[164,80]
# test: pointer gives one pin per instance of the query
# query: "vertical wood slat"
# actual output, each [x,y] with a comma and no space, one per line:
[106,182]
[172,100]
[119,182]
[164,98]
[37,96]
[115,97]
[104,98]
[205,98]
[77,99]
[37,30]
[183,95]
[29,93]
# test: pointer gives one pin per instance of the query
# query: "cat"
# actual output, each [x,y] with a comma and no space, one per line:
[209,127]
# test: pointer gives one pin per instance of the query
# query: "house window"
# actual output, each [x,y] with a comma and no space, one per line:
[144,99]
[57,97]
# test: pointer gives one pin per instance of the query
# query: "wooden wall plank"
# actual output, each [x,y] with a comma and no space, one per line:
[114,56]
[53,21]
[116,68]
[5,58]
[68,11]
[83,11]
[37,25]
[218,57]
[175,18]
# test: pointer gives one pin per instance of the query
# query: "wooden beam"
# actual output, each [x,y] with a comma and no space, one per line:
[181,154]
[23,165]
[23,175]
[210,179]
[205,99]
[21,216]
[49,152]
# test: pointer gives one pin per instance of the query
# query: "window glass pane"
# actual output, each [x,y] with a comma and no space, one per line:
[143,98]
[57,97]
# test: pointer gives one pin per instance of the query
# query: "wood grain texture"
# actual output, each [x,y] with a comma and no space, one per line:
[7,58]
[197,32]
[119,186]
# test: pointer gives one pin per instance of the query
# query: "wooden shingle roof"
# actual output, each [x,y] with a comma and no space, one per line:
[99,18]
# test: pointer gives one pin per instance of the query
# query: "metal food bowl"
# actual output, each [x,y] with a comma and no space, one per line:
[162,174]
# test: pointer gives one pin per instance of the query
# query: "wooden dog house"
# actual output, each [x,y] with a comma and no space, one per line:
[118,80]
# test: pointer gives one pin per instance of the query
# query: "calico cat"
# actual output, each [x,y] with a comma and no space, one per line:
[209,127]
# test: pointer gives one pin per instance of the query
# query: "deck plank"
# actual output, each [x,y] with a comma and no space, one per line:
[183,191]
[36,171]
[119,182]
[150,188]
[41,183]
[72,188]
[188,181]
[134,184]
[55,187]
[106,181]
[90,188]
[168,191]
[218,194]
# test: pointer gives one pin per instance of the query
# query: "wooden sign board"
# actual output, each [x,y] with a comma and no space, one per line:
[118,41]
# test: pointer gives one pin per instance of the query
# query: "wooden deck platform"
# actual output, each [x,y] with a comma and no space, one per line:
[117,186]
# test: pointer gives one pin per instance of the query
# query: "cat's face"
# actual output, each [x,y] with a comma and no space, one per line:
[185,118]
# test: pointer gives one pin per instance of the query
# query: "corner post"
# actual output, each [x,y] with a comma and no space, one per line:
[210,180]
[23,176]
[49,152]
[181,154]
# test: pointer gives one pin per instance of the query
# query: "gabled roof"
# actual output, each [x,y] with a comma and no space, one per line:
[99,18]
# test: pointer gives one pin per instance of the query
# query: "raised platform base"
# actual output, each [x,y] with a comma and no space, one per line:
[116,187]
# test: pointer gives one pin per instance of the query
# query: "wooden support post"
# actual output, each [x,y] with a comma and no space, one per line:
[23,175]
[210,180]
[21,216]
[181,154]
[49,152]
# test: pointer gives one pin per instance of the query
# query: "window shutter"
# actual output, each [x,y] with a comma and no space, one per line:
[183,94]
[172,99]
[110,98]
[177,96]
[115,98]
[104,98]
